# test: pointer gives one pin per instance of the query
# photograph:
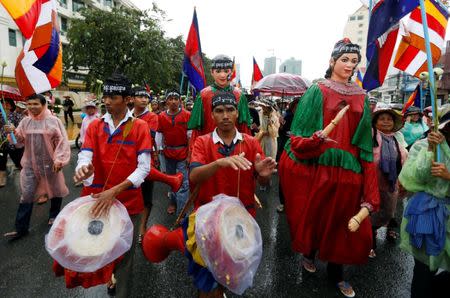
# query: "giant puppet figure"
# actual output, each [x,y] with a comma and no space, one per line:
[327,171]
[201,121]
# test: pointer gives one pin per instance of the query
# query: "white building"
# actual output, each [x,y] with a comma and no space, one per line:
[270,65]
[356,29]
[11,40]
[291,66]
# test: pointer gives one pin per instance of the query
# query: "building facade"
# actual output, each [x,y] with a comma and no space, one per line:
[11,40]
[270,65]
[356,29]
[291,66]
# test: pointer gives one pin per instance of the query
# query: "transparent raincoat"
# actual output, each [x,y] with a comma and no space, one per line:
[46,144]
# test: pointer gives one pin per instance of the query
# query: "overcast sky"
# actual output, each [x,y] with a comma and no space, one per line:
[304,29]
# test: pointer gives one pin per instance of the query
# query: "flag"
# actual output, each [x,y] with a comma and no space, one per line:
[382,36]
[359,78]
[257,74]
[233,72]
[412,54]
[193,59]
[39,65]
[414,99]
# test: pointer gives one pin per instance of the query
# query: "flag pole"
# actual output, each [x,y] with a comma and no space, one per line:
[182,82]
[431,75]
[5,117]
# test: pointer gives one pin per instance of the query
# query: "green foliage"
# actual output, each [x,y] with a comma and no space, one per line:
[126,40]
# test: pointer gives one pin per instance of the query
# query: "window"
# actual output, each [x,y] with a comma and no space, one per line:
[63,3]
[77,5]
[360,18]
[360,25]
[12,37]
[352,18]
[63,26]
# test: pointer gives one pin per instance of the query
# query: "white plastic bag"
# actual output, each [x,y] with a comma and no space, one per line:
[84,244]
[230,242]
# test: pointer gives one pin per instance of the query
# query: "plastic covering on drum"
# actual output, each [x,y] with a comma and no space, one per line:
[82,243]
[230,242]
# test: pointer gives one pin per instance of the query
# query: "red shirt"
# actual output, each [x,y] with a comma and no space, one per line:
[225,180]
[151,119]
[174,130]
[105,146]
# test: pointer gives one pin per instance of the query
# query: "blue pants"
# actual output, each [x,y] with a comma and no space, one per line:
[24,211]
[176,166]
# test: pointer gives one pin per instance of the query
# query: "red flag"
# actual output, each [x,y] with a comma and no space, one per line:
[257,74]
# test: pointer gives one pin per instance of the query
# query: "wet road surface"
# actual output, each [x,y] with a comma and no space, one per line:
[25,267]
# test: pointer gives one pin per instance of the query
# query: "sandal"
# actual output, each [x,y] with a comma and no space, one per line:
[11,236]
[308,265]
[280,208]
[111,287]
[140,238]
[42,199]
[171,209]
[346,289]
[372,254]
[392,235]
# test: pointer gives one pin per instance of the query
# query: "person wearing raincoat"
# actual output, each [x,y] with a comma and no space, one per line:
[47,151]
[330,182]
[414,126]
[269,125]
[425,228]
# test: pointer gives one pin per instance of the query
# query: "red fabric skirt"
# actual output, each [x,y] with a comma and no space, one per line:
[319,202]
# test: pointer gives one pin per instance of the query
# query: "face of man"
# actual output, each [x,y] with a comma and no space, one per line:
[173,103]
[140,102]
[221,76]
[225,117]
[115,104]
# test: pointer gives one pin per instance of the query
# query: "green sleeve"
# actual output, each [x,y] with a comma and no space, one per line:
[415,173]
[308,116]
[244,112]
[363,134]
[197,121]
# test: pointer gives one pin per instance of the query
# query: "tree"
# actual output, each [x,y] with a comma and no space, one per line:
[129,41]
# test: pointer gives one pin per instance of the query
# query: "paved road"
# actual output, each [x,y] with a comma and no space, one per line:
[25,267]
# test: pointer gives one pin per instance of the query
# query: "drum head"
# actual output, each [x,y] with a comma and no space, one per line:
[82,243]
[229,240]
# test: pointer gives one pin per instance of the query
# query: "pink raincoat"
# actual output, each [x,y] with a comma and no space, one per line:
[46,144]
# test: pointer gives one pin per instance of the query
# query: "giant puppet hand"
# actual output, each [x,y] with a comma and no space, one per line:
[83,173]
[312,147]
[355,222]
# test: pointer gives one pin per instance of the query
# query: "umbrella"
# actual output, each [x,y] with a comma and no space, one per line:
[11,92]
[282,84]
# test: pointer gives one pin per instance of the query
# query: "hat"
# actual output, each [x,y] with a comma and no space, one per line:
[223,98]
[21,104]
[383,108]
[412,110]
[345,46]
[117,84]
[140,91]
[221,62]
[444,116]
[373,100]
[89,103]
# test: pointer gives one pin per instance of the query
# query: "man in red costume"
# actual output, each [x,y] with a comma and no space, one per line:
[173,135]
[140,110]
[229,162]
[330,187]
[201,122]
[113,162]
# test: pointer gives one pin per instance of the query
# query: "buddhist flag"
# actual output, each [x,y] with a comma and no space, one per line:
[414,99]
[382,36]
[359,78]
[39,65]
[193,58]
[412,55]
[257,74]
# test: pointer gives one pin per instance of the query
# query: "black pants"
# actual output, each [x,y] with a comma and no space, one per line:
[335,271]
[24,211]
[280,193]
[426,284]
[70,114]
[147,193]
[15,154]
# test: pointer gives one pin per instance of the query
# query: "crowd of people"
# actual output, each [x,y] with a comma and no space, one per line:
[344,164]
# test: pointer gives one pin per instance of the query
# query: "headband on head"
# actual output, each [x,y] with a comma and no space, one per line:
[221,62]
[172,93]
[345,46]
[223,98]
[117,84]
[140,91]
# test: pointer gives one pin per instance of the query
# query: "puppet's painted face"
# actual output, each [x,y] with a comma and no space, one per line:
[221,76]
[385,123]
[225,117]
[343,67]
[34,106]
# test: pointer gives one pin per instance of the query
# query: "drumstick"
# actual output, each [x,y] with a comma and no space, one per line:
[258,202]
[327,130]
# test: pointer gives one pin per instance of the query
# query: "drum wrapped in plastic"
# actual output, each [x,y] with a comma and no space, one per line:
[84,244]
[230,242]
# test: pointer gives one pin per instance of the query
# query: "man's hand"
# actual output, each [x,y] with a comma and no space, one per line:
[83,173]
[440,170]
[105,200]
[434,138]
[57,166]
[236,162]
[408,119]
[265,167]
